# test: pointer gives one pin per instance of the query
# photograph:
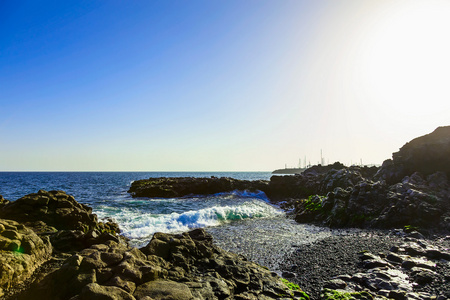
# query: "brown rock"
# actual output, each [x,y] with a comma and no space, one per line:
[162,290]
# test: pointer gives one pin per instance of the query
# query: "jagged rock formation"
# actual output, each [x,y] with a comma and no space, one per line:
[412,189]
[55,208]
[69,224]
[39,226]
[184,266]
[169,187]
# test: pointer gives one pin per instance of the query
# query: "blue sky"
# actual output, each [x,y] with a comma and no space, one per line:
[217,85]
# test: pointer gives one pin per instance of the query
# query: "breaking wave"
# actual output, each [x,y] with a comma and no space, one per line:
[137,224]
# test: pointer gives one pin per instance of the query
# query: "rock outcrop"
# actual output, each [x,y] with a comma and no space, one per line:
[41,227]
[69,224]
[412,189]
[78,257]
[183,266]
[346,198]
[169,187]
[21,253]
[55,208]
[426,154]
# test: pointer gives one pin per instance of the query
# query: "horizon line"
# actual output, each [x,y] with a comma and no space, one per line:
[87,171]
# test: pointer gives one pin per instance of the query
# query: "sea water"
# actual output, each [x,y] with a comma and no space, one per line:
[240,221]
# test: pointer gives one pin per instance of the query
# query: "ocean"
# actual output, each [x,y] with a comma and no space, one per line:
[240,221]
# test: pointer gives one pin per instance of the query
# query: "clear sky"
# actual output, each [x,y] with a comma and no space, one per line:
[235,85]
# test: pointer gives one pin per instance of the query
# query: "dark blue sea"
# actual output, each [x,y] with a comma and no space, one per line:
[242,222]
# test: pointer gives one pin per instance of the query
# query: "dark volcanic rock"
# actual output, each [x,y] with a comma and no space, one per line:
[361,262]
[55,208]
[353,201]
[411,279]
[102,266]
[70,225]
[426,154]
[53,211]
[183,266]
[301,185]
[168,187]
[412,189]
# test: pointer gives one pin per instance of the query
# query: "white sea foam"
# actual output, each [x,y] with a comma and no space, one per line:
[137,224]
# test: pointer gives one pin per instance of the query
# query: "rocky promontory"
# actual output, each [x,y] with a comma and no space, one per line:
[412,189]
[170,187]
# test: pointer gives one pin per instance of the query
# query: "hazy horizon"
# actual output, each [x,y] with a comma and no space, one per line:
[218,85]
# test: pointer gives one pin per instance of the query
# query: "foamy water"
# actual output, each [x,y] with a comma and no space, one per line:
[139,219]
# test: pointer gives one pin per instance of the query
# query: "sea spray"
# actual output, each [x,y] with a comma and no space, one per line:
[139,219]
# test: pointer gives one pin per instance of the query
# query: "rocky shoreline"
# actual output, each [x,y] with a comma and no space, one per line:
[52,247]
[391,264]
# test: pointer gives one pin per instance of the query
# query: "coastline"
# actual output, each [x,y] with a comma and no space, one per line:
[407,196]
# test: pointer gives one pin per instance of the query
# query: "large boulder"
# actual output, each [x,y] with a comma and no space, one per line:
[21,253]
[55,208]
[69,224]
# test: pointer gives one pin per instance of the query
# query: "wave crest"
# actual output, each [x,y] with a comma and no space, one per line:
[138,225]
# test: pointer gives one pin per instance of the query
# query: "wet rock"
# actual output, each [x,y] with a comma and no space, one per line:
[422,276]
[287,274]
[395,258]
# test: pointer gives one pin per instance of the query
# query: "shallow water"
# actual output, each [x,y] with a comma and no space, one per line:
[266,241]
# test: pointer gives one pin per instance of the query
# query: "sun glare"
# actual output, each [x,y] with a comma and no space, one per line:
[407,57]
